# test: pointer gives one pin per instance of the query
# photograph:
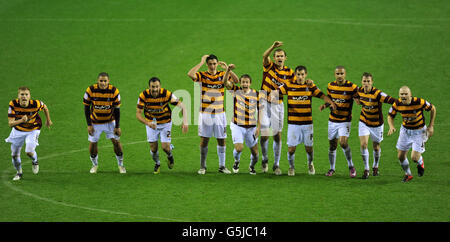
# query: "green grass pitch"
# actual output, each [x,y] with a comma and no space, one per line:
[58,47]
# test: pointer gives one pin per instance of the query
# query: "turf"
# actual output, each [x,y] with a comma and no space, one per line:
[58,47]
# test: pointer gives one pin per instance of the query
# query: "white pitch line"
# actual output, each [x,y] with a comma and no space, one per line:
[10,185]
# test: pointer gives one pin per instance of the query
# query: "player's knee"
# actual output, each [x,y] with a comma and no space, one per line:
[363,146]
[30,154]
[309,149]
[415,157]
[333,145]
[291,150]
[376,146]
[401,156]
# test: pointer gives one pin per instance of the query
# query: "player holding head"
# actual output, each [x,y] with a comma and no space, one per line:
[24,119]
[154,103]
[341,92]
[413,132]
[371,122]
[275,74]
[212,118]
[102,111]
[245,126]
[300,122]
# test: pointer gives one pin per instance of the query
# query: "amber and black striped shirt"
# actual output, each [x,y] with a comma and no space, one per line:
[32,111]
[299,102]
[157,107]
[273,78]
[213,88]
[342,96]
[412,113]
[246,106]
[102,102]
[371,106]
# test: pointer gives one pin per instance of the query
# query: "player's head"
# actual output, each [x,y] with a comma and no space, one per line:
[245,81]
[103,80]
[23,94]
[405,94]
[279,57]
[300,73]
[339,73]
[154,84]
[211,62]
[367,81]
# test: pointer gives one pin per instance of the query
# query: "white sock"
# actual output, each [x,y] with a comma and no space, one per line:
[237,155]
[17,163]
[264,148]
[276,152]
[119,160]
[94,160]
[34,159]
[376,158]
[310,157]
[291,159]
[221,153]
[405,166]
[348,156]
[420,161]
[332,159]
[155,157]
[365,157]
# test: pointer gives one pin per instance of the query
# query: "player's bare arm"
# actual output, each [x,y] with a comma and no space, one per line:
[266,58]
[430,128]
[391,125]
[228,84]
[328,101]
[185,125]
[49,122]
[197,67]
[13,122]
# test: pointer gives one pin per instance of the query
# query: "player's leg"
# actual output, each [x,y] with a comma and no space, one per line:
[376,157]
[265,134]
[221,151]
[402,157]
[155,156]
[333,141]
[344,133]
[238,147]
[93,147]
[310,158]
[31,142]
[220,132]
[264,148]
[205,131]
[166,140]
[294,134]
[363,141]
[203,154]
[418,147]
[16,161]
[237,134]
[291,160]
[253,158]
[276,153]
[308,140]
[276,121]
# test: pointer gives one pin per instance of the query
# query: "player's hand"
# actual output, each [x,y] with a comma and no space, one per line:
[277,44]
[391,130]
[203,60]
[184,128]
[273,96]
[257,131]
[117,131]
[151,125]
[333,106]
[309,82]
[24,119]
[222,64]
[91,130]
[48,123]
[323,106]
[231,67]
[430,131]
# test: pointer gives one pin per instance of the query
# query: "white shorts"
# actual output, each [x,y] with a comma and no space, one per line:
[17,138]
[272,118]
[212,125]
[240,134]
[376,133]
[162,131]
[414,139]
[336,130]
[108,128]
[298,134]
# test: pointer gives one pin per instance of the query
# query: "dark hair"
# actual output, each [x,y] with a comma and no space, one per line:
[154,79]
[23,88]
[367,74]
[279,50]
[245,76]
[299,68]
[211,57]
[103,74]
[340,67]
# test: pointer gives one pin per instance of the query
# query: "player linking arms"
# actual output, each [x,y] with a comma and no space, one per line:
[24,119]
[154,102]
